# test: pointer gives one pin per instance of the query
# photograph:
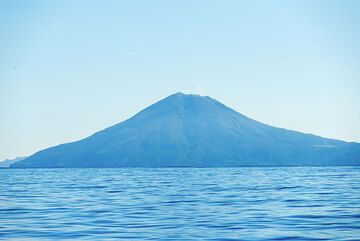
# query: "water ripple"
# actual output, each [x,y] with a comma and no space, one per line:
[289,203]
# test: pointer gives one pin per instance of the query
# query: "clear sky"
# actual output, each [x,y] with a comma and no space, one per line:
[71,68]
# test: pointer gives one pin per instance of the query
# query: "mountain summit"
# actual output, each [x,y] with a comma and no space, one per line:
[195,131]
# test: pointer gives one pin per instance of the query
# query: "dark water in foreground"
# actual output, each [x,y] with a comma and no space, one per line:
[289,203]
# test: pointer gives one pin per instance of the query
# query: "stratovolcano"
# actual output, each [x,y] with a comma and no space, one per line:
[195,131]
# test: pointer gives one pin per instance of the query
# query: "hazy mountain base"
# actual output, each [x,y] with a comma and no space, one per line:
[195,131]
[8,162]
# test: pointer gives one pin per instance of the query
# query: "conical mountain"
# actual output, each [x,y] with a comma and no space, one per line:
[195,131]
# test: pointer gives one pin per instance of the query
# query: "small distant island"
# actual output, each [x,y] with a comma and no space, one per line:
[6,163]
[194,131]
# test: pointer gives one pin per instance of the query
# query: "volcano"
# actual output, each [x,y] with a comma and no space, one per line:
[195,131]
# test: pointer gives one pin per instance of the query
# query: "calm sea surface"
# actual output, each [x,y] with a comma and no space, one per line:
[288,203]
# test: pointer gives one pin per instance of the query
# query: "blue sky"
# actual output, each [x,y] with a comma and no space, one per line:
[70,68]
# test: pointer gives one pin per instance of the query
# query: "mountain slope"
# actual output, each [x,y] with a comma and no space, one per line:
[190,130]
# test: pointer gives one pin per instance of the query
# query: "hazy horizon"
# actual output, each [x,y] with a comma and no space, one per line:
[69,69]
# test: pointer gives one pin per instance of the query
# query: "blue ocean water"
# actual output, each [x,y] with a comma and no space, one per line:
[282,203]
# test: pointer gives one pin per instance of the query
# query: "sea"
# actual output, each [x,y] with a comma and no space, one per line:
[248,203]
